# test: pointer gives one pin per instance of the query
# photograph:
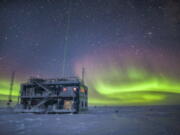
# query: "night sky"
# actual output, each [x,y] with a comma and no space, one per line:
[129,48]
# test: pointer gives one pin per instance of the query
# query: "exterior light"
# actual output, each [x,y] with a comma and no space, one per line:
[74,89]
[64,89]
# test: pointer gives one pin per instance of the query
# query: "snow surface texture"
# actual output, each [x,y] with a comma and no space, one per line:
[151,120]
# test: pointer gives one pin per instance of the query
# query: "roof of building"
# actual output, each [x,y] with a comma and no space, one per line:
[66,80]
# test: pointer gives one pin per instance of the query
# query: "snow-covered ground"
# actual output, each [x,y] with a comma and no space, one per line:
[152,120]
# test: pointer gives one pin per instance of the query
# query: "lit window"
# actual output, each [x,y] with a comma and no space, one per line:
[74,89]
[64,89]
[82,90]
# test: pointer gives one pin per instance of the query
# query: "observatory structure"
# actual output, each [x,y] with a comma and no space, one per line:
[58,95]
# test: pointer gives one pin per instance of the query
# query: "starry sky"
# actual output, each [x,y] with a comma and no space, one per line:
[130,49]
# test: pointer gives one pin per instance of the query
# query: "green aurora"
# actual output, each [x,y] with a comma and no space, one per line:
[129,79]
[137,81]
[131,87]
[4,89]
[136,88]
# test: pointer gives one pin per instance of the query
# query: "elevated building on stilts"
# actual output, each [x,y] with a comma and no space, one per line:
[59,95]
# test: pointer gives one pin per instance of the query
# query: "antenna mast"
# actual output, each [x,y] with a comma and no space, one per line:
[83,73]
[11,88]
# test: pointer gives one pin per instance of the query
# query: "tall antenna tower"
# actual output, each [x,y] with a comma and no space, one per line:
[11,89]
[83,74]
